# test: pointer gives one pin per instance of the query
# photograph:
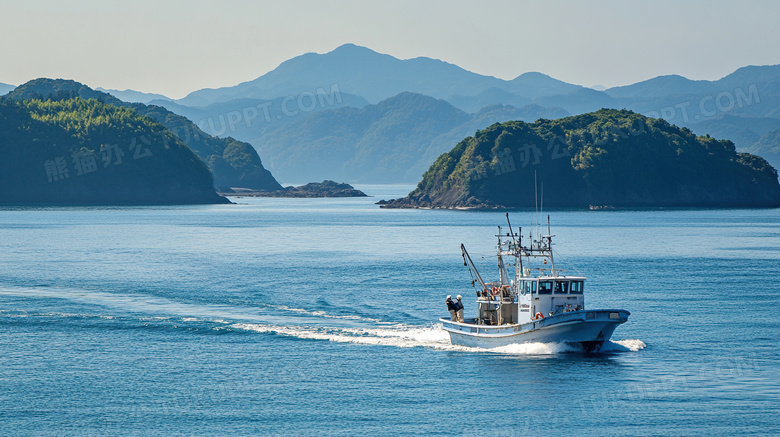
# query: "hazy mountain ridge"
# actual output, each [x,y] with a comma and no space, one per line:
[768,146]
[389,142]
[374,76]
[660,86]
[132,96]
[6,88]
[249,118]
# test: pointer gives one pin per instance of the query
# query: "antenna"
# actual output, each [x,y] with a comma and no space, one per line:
[536,202]
[541,203]
[536,207]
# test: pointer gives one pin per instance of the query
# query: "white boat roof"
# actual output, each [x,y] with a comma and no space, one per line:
[559,277]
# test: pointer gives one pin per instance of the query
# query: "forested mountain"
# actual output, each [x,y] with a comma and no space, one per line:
[72,151]
[233,163]
[392,141]
[609,157]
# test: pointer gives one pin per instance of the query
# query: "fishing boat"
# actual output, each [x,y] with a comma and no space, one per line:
[540,303]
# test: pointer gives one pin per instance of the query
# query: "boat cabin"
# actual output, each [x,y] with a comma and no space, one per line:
[530,298]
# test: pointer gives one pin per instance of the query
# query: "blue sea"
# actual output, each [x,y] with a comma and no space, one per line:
[319,317]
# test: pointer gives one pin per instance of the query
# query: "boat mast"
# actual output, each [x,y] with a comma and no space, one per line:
[548,237]
[469,263]
[503,276]
[515,249]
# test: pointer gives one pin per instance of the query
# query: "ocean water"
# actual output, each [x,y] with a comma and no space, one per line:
[319,317]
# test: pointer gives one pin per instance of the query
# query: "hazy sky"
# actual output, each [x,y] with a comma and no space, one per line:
[174,47]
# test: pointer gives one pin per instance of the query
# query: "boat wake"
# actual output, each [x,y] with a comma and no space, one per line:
[276,320]
[326,315]
[404,336]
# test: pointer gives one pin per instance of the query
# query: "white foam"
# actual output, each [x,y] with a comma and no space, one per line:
[156,308]
[623,346]
[399,336]
[324,314]
[537,349]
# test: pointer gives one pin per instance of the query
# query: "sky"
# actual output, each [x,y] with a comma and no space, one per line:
[176,47]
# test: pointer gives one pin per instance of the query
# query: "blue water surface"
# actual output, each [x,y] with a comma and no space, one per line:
[318,317]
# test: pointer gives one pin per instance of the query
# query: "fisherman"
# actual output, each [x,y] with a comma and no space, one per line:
[459,304]
[453,309]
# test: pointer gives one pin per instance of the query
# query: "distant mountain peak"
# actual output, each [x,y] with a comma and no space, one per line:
[350,47]
[533,74]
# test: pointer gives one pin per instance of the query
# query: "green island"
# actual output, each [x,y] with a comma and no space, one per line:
[72,151]
[608,158]
[233,163]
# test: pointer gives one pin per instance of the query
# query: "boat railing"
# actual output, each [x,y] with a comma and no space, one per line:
[502,299]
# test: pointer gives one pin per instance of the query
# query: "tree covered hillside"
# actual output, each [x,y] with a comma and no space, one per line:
[233,163]
[76,151]
[608,157]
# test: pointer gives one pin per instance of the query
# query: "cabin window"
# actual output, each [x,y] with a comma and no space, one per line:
[523,286]
[533,286]
[545,287]
[576,287]
[561,287]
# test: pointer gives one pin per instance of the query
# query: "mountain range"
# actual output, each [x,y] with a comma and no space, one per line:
[352,107]
[751,91]
[375,76]
[743,106]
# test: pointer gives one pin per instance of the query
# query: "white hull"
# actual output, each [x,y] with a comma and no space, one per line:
[588,328]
